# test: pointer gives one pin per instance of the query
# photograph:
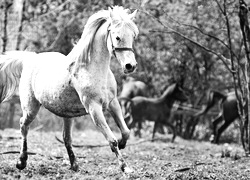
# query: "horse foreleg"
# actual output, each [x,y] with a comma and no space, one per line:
[215,122]
[67,137]
[95,111]
[115,110]
[24,128]
[173,130]
[154,130]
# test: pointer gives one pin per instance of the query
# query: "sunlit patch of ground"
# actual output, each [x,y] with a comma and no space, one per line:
[149,160]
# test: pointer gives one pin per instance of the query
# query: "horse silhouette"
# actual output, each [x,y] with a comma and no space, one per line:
[131,88]
[157,110]
[228,111]
[77,84]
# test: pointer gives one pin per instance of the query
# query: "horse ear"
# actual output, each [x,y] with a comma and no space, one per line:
[132,16]
[114,20]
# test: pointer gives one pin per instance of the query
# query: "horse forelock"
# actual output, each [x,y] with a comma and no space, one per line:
[123,19]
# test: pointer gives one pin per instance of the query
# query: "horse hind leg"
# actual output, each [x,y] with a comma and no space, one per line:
[27,118]
[215,123]
[221,130]
[154,130]
[67,137]
[138,131]
[173,130]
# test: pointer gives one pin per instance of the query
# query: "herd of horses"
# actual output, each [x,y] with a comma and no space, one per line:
[82,83]
[138,108]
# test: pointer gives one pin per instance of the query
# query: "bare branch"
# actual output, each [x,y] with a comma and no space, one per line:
[218,4]
[206,34]
[225,60]
[57,9]
[60,35]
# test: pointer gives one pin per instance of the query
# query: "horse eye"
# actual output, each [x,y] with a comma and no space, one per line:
[118,38]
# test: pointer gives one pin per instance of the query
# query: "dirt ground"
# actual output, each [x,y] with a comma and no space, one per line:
[149,160]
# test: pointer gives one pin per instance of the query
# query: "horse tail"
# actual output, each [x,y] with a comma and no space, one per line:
[11,66]
[213,97]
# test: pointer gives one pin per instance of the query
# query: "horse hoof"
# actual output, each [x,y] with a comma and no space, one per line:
[126,169]
[74,167]
[211,139]
[21,165]
[121,144]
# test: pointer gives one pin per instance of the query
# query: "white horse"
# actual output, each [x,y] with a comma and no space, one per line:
[77,84]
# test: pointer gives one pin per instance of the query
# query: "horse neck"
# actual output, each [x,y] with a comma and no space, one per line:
[219,95]
[167,99]
[99,55]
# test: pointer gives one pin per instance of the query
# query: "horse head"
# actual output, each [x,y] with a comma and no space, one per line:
[174,93]
[179,94]
[121,34]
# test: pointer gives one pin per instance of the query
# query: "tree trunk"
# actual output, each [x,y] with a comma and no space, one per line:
[244,25]
[5,22]
[20,27]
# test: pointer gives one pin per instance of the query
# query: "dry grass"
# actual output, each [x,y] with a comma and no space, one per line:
[149,160]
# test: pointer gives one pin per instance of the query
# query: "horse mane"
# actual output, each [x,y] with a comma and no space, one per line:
[168,91]
[81,51]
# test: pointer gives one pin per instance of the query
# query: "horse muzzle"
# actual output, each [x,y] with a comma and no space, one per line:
[129,68]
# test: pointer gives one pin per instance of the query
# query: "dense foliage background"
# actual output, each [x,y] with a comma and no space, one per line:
[164,56]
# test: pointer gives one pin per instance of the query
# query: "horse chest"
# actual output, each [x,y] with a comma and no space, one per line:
[94,91]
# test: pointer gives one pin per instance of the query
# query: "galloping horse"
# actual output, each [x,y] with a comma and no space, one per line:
[76,84]
[156,109]
[130,89]
[228,111]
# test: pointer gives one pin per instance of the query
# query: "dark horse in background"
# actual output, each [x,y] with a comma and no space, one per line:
[228,111]
[131,88]
[156,109]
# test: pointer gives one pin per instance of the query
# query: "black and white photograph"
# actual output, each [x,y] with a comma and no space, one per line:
[124,89]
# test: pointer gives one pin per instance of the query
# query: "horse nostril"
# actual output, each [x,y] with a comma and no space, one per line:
[128,66]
